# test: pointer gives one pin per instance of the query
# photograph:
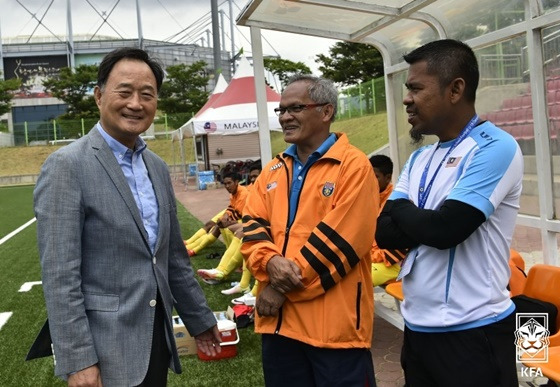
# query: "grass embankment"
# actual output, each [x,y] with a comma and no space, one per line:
[368,133]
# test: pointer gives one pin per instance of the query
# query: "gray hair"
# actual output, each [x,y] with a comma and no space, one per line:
[321,90]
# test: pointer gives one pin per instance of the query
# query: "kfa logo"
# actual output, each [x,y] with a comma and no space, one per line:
[532,337]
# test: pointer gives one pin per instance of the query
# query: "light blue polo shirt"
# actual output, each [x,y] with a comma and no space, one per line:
[300,171]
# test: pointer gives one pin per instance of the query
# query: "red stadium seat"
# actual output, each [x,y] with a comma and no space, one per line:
[554,111]
[508,104]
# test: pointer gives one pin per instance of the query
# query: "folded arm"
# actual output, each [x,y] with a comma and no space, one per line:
[402,224]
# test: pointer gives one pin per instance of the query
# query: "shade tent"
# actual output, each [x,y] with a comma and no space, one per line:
[220,87]
[234,111]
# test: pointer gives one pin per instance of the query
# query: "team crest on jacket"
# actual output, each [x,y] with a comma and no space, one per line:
[328,189]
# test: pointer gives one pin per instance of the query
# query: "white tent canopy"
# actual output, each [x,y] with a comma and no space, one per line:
[234,111]
[219,89]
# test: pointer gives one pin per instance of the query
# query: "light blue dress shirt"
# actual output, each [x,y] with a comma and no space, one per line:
[136,174]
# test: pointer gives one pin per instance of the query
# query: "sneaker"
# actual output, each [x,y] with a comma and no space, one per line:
[246,299]
[211,274]
[210,281]
[236,289]
[191,252]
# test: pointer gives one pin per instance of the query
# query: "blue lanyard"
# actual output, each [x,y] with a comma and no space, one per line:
[423,190]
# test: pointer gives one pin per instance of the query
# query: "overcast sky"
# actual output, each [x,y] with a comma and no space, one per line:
[161,19]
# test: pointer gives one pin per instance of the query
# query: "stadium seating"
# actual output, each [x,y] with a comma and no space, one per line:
[516,114]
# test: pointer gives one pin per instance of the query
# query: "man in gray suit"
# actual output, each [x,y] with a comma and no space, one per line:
[113,260]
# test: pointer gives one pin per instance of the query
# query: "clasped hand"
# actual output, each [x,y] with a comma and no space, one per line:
[284,274]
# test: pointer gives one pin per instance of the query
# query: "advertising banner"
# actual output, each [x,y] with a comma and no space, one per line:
[33,71]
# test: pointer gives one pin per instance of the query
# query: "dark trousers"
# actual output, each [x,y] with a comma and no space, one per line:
[159,356]
[478,357]
[288,362]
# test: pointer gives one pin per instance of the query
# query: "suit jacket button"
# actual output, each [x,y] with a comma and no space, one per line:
[153,303]
[154,259]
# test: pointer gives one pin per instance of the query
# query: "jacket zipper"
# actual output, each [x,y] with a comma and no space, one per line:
[285,246]
[358,310]
[288,226]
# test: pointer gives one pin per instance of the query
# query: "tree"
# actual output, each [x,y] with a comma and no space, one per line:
[75,88]
[184,92]
[7,87]
[349,63]
[284,68]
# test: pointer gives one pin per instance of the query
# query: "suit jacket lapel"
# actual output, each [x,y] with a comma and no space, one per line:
[107,159]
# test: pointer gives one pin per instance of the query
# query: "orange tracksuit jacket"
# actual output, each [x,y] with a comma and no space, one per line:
[237,202]
[330,240]
[388,257]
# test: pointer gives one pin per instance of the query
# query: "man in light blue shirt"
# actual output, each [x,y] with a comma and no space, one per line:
[454,206]
[113,260]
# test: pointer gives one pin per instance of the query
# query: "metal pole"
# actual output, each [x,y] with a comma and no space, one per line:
[360,98]
[223,29]
[54,131]
[231,29]
[165,124]
[260,91]
[216,38]
[1,58]
[139,21]
[26,133]
[70,35]
[83,128]
[182,147]
[373,96]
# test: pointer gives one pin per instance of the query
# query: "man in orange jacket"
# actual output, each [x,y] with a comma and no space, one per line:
[307,241]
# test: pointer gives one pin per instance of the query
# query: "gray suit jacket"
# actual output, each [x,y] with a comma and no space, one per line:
[100,278]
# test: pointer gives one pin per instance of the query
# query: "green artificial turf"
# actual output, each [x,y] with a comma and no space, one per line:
[19,263]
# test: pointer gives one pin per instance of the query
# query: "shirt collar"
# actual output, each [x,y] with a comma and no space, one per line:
[116,146]
[319,152]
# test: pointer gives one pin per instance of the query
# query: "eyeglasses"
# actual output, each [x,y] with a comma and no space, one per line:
[297,108]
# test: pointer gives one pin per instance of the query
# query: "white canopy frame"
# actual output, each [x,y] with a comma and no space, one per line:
[397,26]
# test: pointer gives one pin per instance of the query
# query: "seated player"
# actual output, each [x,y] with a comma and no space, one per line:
[385,263]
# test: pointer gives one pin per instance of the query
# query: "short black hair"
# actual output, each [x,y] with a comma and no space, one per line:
[449,59]
[383,163]
[255,165]
[119,54]
[235,176]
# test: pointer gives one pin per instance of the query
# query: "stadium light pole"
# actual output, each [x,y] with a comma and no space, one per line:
[231,32]
[139,21]
[1,57]
[216,38]
[223,29]
[70,39]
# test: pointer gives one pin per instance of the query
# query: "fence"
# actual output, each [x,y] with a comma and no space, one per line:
[363,99]
[62,131]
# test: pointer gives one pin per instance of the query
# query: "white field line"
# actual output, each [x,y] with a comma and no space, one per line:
[7,237]
[28,285]
[4,317]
